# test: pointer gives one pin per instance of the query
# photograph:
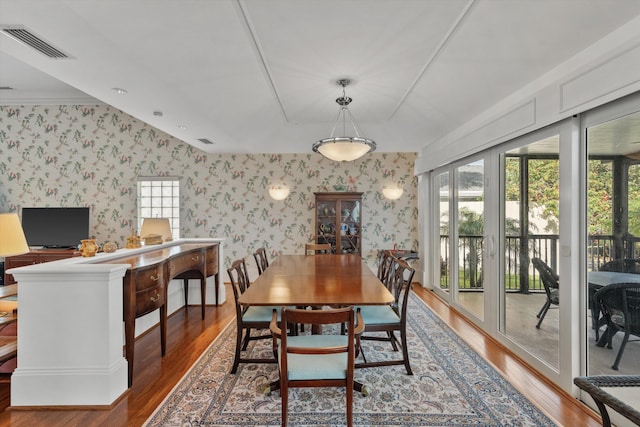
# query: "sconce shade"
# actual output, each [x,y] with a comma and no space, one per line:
[12,240]
[392,193]
[278,192]
[156,226]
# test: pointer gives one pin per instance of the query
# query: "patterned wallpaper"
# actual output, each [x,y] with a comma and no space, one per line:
[92,155]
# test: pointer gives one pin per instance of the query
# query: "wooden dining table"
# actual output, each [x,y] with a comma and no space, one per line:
[317,280]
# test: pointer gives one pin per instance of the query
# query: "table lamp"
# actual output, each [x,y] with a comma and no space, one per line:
[12,240]
[155,230]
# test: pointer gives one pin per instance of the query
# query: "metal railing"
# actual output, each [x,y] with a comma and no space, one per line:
[520,276]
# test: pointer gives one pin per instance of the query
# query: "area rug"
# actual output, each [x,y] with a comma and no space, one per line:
[451,385]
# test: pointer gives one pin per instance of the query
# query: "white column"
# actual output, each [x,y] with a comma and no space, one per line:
[69,335]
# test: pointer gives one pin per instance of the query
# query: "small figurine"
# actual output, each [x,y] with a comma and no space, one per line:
[133,241]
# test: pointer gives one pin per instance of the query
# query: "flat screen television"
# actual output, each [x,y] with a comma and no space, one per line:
[55,227]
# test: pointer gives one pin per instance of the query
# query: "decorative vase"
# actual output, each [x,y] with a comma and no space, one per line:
[109,247]
[89,247]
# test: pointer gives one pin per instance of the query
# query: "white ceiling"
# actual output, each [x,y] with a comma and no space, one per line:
[259,76]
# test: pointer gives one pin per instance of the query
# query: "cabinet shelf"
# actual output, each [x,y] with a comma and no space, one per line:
[339,221]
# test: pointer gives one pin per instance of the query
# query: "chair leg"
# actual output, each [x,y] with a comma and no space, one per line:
[622,346]
[236,358]
[349,390]
[405,352]
[393,340]
[543,312]
[247,337]
[284,396]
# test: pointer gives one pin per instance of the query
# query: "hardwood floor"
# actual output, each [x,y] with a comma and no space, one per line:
[188,336]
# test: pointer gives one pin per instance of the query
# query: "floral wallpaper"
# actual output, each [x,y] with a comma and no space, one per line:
[92,155]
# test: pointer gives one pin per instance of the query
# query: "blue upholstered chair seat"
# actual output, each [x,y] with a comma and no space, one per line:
[259,313]
[316,367]
[379,315]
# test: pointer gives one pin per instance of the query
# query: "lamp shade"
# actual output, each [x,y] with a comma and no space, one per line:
[392,193]
[344,149]
[278,192]
[156,226]
[12,240]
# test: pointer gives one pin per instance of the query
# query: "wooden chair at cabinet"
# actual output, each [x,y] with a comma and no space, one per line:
[262,262]
[313,249]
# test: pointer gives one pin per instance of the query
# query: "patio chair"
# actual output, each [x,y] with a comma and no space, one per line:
[550,281]
[316,360]
[620,305]
[390,318]
[260,255]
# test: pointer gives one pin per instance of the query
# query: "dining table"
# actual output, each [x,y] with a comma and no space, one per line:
[317,280]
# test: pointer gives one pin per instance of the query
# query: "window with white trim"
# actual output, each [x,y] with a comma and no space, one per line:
[159,197]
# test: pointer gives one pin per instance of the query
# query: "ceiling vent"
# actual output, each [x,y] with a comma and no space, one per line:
[205,141]
[6,88]
[23,35]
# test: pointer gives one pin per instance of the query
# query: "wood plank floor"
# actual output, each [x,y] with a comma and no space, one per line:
[189,336]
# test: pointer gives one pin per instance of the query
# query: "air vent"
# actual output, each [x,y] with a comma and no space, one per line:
[25,36]
[205,141]
[5,88]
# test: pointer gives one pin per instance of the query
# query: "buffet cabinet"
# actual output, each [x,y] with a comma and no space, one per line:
[339,221]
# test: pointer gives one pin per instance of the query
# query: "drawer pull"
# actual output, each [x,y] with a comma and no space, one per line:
[195,258]
[153,278]
[156,298]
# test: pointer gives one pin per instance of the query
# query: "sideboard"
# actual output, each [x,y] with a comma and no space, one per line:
[70,338]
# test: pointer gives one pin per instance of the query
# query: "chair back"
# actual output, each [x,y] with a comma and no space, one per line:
[385,260]
[239,281]
[260,255]
[549,278]
[399,284]
[317,248]
[629,265]
[620,305]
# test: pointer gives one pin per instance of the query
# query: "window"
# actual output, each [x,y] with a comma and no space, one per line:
[159,197]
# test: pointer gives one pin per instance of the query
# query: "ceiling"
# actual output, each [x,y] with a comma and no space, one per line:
[256,76]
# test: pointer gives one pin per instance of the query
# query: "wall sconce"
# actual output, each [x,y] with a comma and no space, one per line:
[392,193]
[279,192]
[12,241]
[155,230]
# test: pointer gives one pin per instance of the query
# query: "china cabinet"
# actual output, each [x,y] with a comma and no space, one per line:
[339,221]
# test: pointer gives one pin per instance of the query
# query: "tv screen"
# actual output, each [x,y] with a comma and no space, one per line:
[55,227]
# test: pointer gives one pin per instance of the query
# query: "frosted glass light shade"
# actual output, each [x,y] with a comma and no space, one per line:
[12,240]
[278,192]
[392,193]
[344,149]
[157,226]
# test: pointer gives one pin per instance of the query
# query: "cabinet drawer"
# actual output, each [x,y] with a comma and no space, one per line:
[149,299]
[149,278]
[186,262]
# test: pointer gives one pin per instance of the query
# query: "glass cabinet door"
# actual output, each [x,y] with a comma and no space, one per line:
[339,221]
[326,214]
[349,226]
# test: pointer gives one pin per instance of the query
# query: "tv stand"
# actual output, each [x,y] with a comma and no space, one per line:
[35,256]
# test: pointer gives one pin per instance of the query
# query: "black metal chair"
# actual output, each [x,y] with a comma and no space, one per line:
[550,281]
[597,386]
[620,305]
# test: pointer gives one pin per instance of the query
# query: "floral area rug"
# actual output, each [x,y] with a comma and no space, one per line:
[451,385]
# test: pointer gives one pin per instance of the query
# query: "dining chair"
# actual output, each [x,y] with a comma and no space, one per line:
[317,248]
[390,318]
[316,360]
[620,305]
[260,255]
[550,281]
[385,260]
[247,317]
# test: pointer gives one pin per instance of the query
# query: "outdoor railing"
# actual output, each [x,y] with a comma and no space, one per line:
[520,276]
